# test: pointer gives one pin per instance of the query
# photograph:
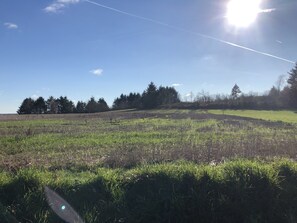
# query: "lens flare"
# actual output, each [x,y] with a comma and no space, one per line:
[61,207]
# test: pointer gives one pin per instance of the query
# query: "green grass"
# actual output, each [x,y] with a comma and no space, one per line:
[283,116]
[237,191]
[125,166]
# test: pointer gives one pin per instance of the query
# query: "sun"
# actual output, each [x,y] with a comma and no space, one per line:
[242,13]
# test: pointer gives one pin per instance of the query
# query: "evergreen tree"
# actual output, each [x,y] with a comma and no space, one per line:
[65,105]
[292,82]
[126,102]
[274,93]
[167,95]
[26,107]
[133,100]
[102,105]
[91,106]
[40,106]
[149,97]
[235,91]
[120,102]
[52,105]
[80,107]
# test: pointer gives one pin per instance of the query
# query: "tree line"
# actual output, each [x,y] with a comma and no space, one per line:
[281,96]
[152,97]
[61,105]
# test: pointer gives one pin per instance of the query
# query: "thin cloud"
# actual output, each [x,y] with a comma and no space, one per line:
[34,96]
[97,72]
[278,41]
[46,89]
[58,5]
[207,58]
[54,8]
[10,25]
[176,85]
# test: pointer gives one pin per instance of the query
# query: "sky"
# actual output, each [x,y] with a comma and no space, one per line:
[102,48]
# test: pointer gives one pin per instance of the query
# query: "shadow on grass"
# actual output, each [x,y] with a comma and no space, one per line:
[244,195]
[239,192]
[160,198]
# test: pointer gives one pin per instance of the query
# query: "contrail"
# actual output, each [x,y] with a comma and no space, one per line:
[257,51]
[188,31]
[126,13]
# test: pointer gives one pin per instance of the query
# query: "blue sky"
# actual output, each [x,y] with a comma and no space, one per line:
[102,48]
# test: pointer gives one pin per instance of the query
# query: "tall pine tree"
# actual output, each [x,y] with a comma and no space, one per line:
[292,82]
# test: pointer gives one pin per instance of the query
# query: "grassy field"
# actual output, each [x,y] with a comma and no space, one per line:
[274,116]
[125,166]
[129,138]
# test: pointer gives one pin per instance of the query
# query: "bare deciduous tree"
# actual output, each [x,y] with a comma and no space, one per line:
[279,84]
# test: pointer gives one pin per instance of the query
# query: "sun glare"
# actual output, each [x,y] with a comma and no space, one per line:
[242,13]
